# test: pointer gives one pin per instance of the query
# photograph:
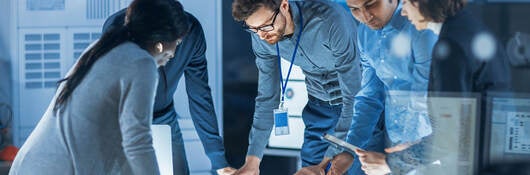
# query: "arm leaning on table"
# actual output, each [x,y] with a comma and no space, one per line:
[135,115]
[200,97]
[267,100]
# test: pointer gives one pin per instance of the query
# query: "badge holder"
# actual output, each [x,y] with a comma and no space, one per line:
[281,121]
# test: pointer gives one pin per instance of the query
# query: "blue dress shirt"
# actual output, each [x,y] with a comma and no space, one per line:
[395,61]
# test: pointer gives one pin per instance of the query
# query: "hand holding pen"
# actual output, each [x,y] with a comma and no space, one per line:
[319,169]
[340,164]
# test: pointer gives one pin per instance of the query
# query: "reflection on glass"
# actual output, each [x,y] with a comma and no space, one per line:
[510,128]
[443,129]
[454,142]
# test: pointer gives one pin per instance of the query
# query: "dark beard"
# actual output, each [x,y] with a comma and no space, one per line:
[286,36]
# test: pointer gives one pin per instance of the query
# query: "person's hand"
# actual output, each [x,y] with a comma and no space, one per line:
[226,171]
[400,147]
[373,163]
[315,169]
[311,170]
[341,163]
[251,166]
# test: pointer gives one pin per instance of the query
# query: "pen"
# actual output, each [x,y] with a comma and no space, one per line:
[328,167]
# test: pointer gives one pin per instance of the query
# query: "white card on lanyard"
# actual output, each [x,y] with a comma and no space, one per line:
[281,121]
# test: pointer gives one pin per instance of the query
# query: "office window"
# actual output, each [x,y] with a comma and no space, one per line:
[42,60]
[82,41]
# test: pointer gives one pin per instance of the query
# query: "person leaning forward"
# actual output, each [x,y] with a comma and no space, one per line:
[319,37]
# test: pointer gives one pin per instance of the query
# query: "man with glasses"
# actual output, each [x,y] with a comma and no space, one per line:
[319,37]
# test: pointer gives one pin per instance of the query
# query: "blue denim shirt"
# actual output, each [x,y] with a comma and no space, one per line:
[190,61]
[327,56]
[395,60]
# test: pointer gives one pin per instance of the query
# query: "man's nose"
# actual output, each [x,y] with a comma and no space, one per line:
[366,15]
[261,34]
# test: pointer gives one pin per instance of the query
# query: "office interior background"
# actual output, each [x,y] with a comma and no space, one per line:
[41,39]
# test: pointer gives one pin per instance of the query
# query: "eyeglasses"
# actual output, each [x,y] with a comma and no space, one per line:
[264,28]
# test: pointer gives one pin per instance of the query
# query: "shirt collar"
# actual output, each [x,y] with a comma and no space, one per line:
[295,15]
[396,21]
[436,27]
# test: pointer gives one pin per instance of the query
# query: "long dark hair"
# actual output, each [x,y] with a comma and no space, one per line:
[438,10]
[146,23]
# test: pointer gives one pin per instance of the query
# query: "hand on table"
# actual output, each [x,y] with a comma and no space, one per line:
[226,171]
[373,163]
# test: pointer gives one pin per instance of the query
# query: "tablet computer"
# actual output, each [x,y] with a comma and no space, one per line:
[340,143]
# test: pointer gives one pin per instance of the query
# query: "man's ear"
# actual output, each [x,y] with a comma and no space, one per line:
[284,6]
[159,47]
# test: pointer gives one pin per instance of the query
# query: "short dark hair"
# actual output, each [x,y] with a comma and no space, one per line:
[438,10]
[242,9]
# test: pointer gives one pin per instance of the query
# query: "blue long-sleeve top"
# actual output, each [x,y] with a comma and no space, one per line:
[327,56]
[395,61]
[190,61]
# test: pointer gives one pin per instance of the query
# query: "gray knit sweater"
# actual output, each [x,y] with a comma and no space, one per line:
[105,125]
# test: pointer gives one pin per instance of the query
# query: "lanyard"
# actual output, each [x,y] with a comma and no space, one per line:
[284,85]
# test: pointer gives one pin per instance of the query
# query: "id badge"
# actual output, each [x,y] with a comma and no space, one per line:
[281,122]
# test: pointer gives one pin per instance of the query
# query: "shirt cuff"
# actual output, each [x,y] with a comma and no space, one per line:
[254,150]
[258,141]
[332,151]
[218,160]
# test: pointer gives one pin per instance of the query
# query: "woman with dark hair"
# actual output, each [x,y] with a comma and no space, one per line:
[99,120]
[466,58]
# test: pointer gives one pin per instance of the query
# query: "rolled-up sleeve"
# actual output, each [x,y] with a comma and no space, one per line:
[418,122]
